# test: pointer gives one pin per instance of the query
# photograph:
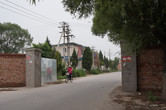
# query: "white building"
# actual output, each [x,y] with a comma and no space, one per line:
[62,48]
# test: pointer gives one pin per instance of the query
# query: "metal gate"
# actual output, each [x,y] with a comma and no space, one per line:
[48,70]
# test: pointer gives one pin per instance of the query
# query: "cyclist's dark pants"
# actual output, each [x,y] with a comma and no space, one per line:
[70,76]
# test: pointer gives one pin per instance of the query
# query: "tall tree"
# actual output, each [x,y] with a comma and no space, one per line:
[110,63]
[139,23]
[13,38]
[46,50]
[57,56]
[87,59]
[101,58]
[74,59]
[48,41]
[115,64]
[106,62]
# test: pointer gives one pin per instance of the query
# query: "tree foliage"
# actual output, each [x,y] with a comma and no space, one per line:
[83,8]
[113,64]
[106,62]
[87,59]
[33,1]
[13,38]
[48,42]
[48,52]
[74,59]
[101,58]
[139,23]
[57,56]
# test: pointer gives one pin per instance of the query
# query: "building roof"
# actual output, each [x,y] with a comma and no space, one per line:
[71,43]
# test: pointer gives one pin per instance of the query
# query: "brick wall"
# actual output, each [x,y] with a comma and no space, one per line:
[12,70]
[150,69]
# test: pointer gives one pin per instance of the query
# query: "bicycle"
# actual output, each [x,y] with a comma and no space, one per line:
[67,79]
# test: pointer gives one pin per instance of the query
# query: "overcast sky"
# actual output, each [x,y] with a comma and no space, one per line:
[43,20]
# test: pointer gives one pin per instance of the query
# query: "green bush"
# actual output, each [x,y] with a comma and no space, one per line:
[95,71]
[63,72]
[83,72]
[59,77]
[74,73]
[79,73]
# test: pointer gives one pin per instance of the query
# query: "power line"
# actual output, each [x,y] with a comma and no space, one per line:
[29,10]
[25,15]
[25,12]
[37,16]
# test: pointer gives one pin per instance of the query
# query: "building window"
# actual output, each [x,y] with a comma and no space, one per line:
[64,49]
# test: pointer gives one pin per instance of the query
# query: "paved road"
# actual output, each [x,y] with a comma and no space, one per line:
[87,93]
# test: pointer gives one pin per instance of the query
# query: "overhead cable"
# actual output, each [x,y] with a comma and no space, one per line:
[26,15]
[25,12]
[30,11]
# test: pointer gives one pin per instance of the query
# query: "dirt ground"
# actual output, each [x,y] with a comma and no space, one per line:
[135,101]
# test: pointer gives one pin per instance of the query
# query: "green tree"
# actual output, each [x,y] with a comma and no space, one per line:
[114,64]
[33,1]
[48,41]
[106,62]
[139,23]
[57,56]
[101,58]
[74,59]
[87,59]
[110,63]
[13,38]
[47,51]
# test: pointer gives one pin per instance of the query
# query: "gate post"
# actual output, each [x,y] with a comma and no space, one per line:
[129,70]
[33,67]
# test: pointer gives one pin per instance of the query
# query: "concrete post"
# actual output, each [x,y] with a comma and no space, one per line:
[33,67]
[129,71]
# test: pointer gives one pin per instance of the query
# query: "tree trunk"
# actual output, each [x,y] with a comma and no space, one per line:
[164,75]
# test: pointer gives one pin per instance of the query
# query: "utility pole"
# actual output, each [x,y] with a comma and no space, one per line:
[66,35]
[63,26]
[68,47]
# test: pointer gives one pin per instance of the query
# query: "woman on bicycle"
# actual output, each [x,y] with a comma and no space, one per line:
[70,71]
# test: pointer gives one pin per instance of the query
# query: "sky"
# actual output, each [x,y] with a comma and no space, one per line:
[43,19]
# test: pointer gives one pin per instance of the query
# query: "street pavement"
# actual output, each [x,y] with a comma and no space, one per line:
[86,93]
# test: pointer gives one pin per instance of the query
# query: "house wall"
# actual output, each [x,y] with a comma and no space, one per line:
[150,69]
[72,47]
[12,70]
[60,49]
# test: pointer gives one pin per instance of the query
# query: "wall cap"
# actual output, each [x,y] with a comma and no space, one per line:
[11,54]
[33,49]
